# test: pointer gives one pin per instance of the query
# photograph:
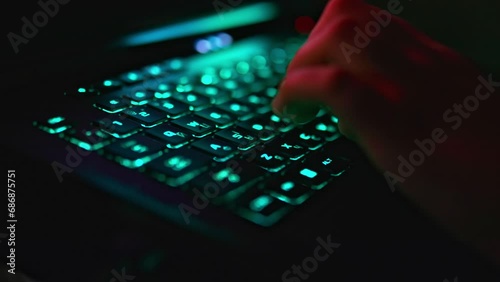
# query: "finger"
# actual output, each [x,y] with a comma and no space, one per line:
[333,10]
[354,102]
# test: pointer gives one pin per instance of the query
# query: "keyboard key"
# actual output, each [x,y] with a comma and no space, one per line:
[242,140]
[177,167]
[197,126]
[308,175]
[237,109]
[82,92]
[226,181]
[267,159]
[108,86]
[221,150]
[324,127]
[111,103]
[261,208]
[139,96]
[307,138]
[135,151]
[132,77]
[276,122]
[195,101]
[172,108]
[87,138]
[264,131]
[256,100]
[216,95]
[173,137]
[145,115]
[287,149]
[289,191]
[118,127]
[220,118]
[53,125]
[327,161]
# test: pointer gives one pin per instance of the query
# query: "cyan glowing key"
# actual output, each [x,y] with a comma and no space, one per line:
[140,94]
[221,175]
[335,119]
[55,120]
[139,148]
[215,115]
[191,98]
[321,127]
[257,127]
[113,102]
[275,118]
[254,99]
[287,186]
[108,83]
[207,79]
[235,107]
[132,76]
[233,178]
[225,73]
[82,90]
[260,203]
[154,70]
[242,67]
[163,87]
[308,173]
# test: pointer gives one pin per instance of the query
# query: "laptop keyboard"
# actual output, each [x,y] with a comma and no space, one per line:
[211,130]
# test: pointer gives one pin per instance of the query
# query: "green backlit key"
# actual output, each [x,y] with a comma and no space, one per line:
[172,136]
[177,167]
[87,138]
[242,140]
[238,109]
[195,101]
[135,151]
[289,191]
[132,77]
[309,176]
[139,96]
[287,149]
[220,118]
[145,115]
[171,107]
[216,95]
[197,126]
[111,103]
[263,130]
[53,125]
[266,158]
[227,181]
[221,150]
[119,126]
[261,208]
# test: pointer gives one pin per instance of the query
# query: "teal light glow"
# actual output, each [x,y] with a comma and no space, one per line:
[108,83]
[257,127]
[82,90]
[132,76]
[248,15]
[308,173]
[260,203]
[55,120]
[287,186]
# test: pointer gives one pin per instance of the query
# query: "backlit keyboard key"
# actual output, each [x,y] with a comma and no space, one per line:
[146,116]
[88,138]
[197,126]
[237,109]
[118,127]
[139,96]
[242,140]
[171,107]
[221,150]
[261,208]
[172,136]
[111,103]
[308,175]
[177,167]
[288,190]
[135,151]
[220,118]
[195,101]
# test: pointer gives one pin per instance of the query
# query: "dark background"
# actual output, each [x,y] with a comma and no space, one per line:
[383,237]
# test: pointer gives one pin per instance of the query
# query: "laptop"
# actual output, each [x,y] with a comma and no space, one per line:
[143,148]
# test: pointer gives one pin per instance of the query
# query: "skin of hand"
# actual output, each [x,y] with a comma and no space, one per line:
[400,89]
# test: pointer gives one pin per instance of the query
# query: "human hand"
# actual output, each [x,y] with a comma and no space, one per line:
[404,97]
